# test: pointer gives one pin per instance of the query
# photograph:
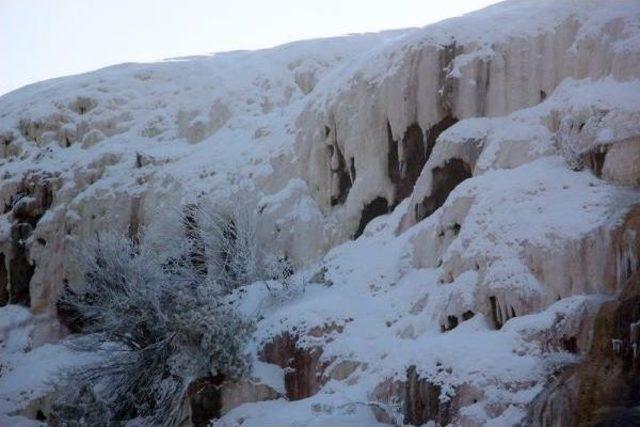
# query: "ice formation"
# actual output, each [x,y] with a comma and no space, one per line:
[462,200]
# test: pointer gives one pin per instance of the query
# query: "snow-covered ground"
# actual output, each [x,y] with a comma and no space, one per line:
[482,300]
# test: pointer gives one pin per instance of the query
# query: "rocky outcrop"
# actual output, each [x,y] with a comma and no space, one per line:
[422,401]
[437,82]
[303,376]
[602,390]
[304,367]
[485,169]
[608,380]
[29,201]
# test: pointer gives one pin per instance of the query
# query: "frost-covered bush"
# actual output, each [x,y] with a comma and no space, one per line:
[225,243]
[577,136]
[155,313]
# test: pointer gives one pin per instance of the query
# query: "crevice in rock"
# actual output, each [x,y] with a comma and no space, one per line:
[33,198]
[352,170]
[543,95]
[500,315]
[205,400]
[454,321]
[341,178]
[4,282]
[569,344]
[405,160]
[422,401]
[496,313]
[594,160]
[303,370]
[20,268]
[448,83]
[378,206]
[444,180]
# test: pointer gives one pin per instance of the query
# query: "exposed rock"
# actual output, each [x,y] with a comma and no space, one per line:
[375,208]
[210,398]
[238,393]
[435,83]
[444,180]
[499,314]
[32,197]
[343,370]
[454,130]
[205,401]
[406,159]
[608,379]
[304,370]
[4,281]
[622,163]
[603,141]
[451,163]
[341,180]
[20,267]
[422,401]
[556,405]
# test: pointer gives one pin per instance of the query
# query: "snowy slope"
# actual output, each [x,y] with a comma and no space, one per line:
[485,252]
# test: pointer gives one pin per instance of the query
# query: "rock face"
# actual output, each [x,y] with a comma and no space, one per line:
[303,371]
[466,195]
[602,390]
[438,82]
[32,197]
[608,382]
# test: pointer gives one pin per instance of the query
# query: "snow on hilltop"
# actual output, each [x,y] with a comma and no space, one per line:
[459,200]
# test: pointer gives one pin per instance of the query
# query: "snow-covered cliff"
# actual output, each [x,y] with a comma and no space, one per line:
[460,200]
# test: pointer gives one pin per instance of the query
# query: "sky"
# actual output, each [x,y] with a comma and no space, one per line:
[43,39]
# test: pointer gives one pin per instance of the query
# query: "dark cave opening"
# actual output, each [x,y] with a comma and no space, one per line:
[339,172]
[406,159]
[445,179]
[20,268]
[205,400]
[378,206]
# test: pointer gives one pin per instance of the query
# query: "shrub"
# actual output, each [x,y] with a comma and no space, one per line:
[153,312]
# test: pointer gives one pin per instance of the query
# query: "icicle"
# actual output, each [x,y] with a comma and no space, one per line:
[335,160]
[617,345]
[335,185]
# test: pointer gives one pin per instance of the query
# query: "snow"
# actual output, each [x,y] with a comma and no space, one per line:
[237,125]
[26,373]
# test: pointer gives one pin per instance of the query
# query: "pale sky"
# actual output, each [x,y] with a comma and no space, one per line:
[42,39]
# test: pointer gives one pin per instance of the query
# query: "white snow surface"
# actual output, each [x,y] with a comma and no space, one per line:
[225,127]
